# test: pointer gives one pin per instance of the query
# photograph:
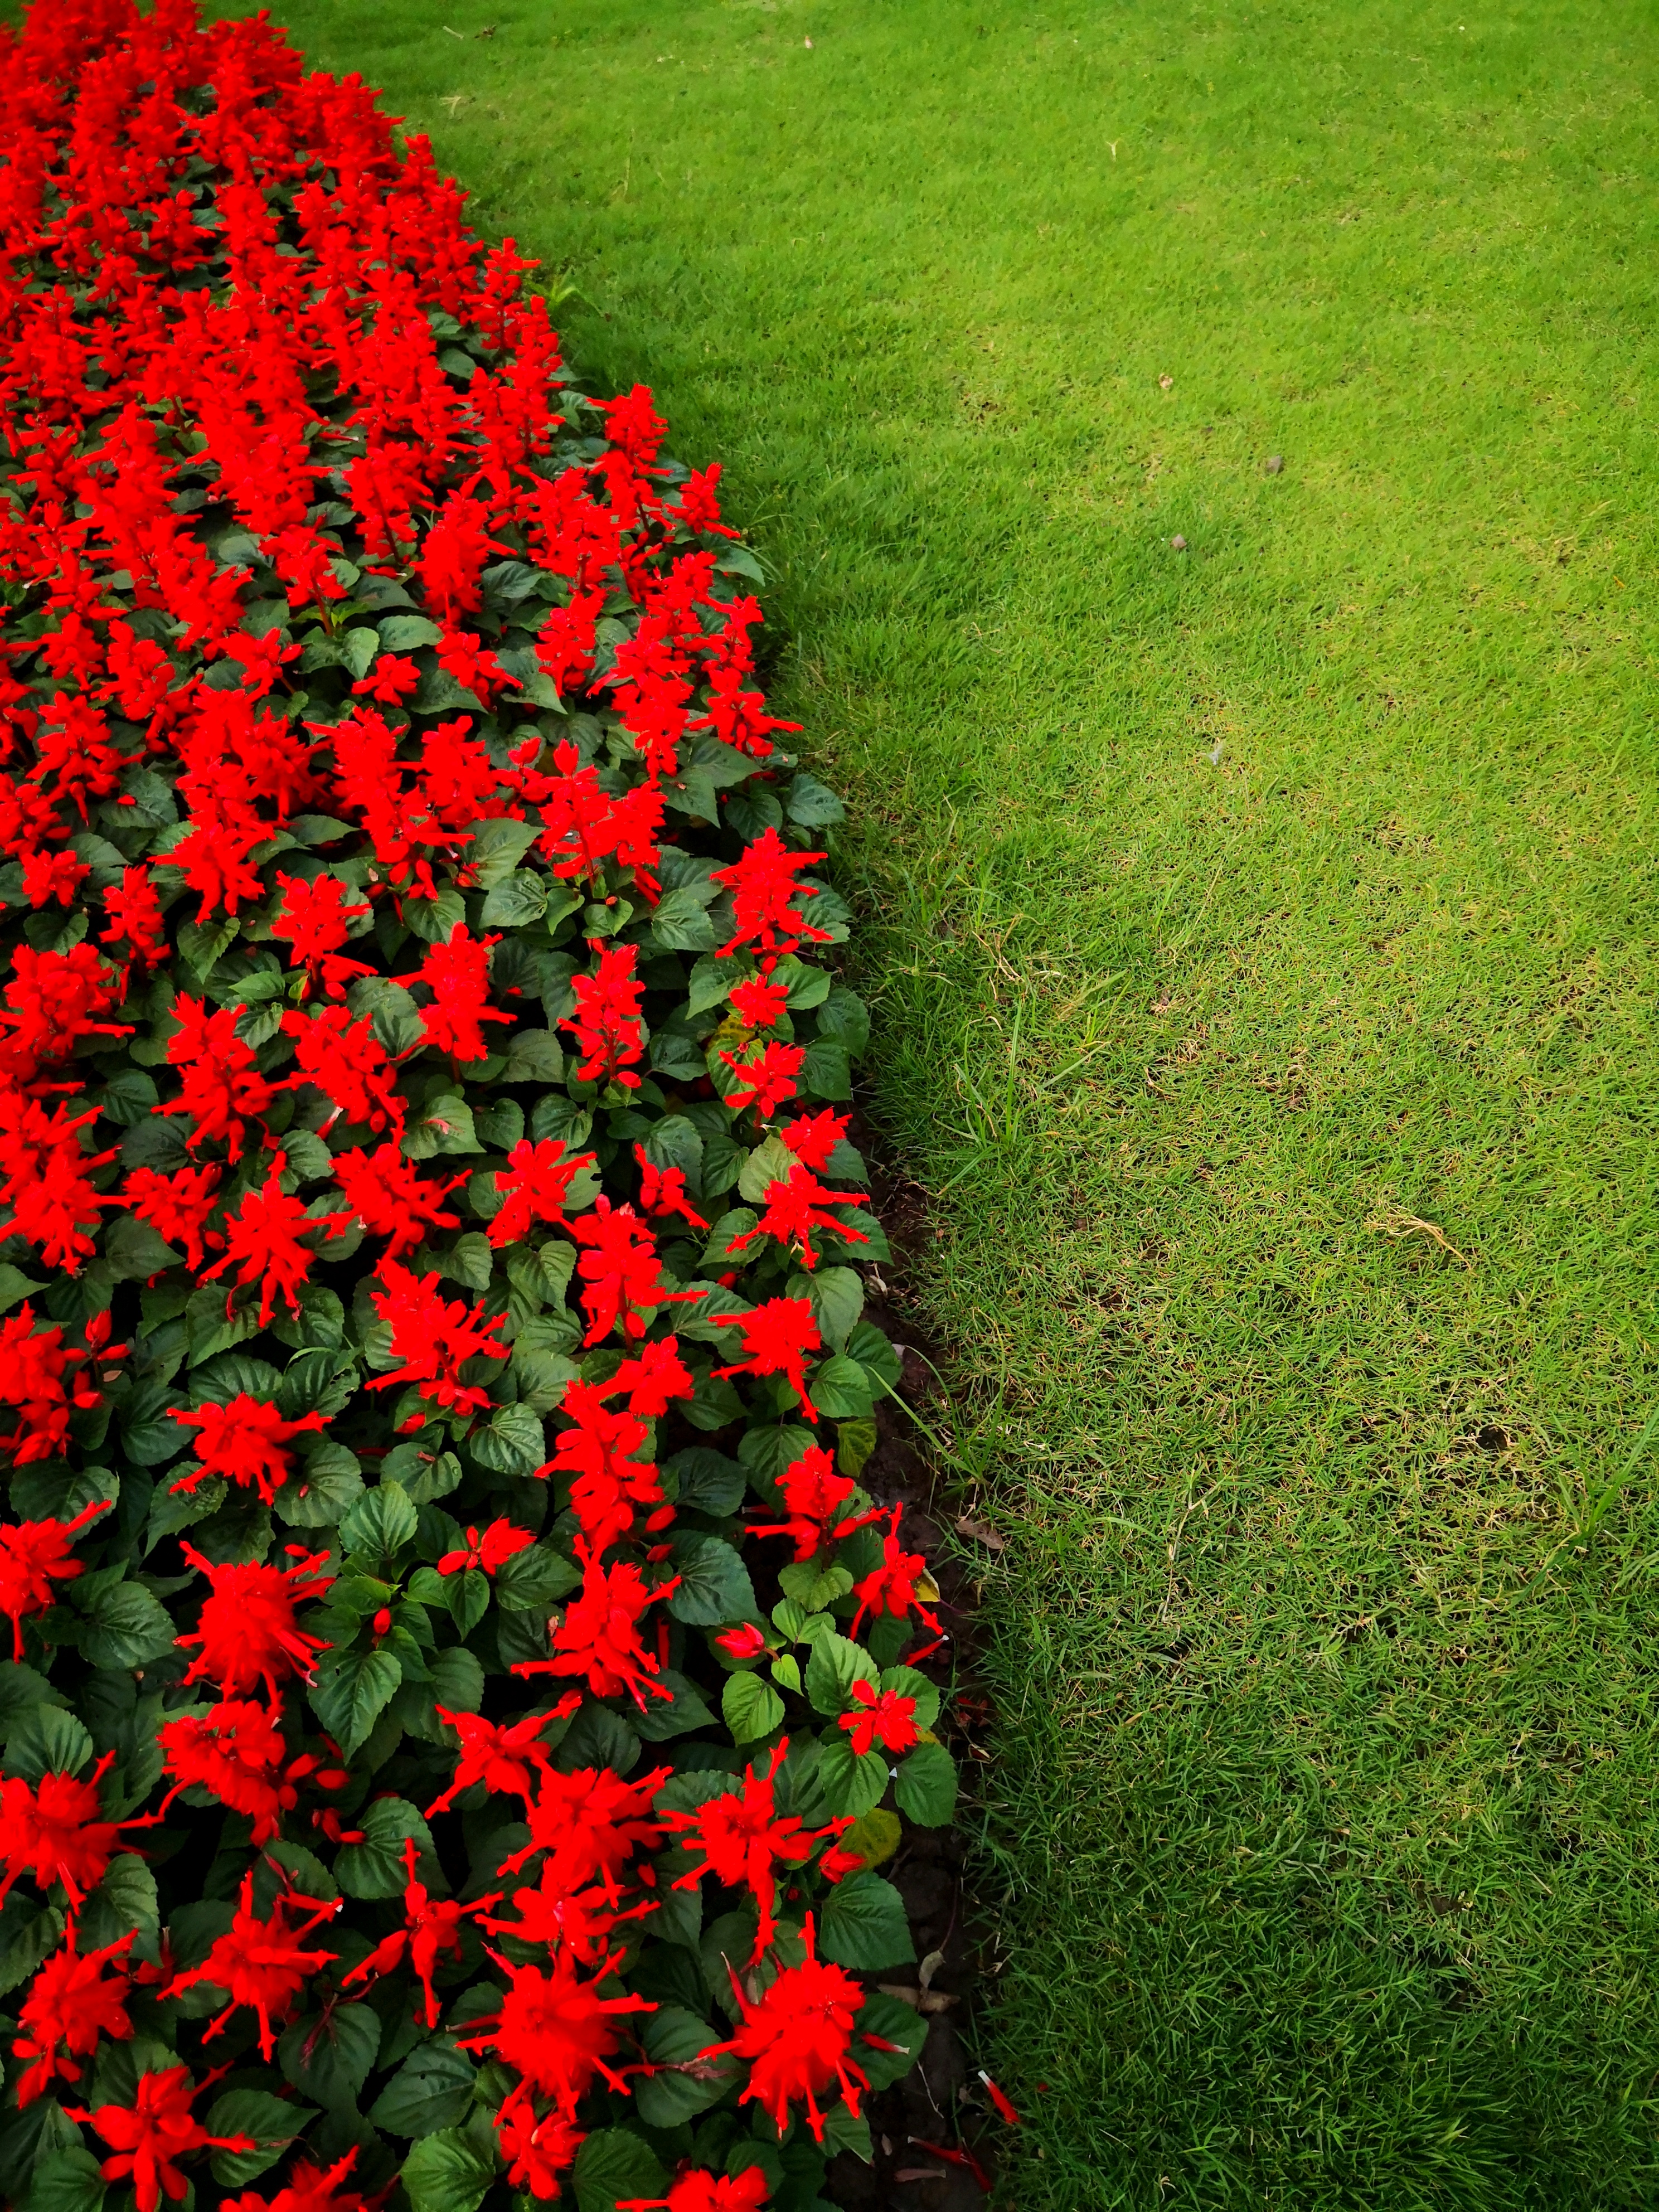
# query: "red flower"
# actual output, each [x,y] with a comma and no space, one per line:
[813,1494]
[761,882]
[618,1268]
[435,1338]
[52,1000]
[757,1004]
[891,1587]
[565,643]
[390,680]
[263,1239]
[260,1963]
[763,1079]
[313,919]
[47,1183]
[776,1338]
[532,1188]
[606,1025]
[474,668]
[505,1758]
[177,1206]
[698,508]
[707,2193]
[607,1483]
[489,1551]
[457,973]
[434,1930]
[584,1922]
[243,1441]
[744,1641]
[662,1191]
[794,1210]
[236,1752]
[383,1191]
[798,2037]
[887,1718]
[309,2189]
[55,1832]
[223,1089]
[151,2137]
[537,2151]
[35,1555]
[37,1381]
[135,915]
[598,1637]
[455,551]
[556,2030]
[70,2005]
[345,1061]
[743,1841]
[653,1379]
[247,1631]
[590,1824]
[49,875]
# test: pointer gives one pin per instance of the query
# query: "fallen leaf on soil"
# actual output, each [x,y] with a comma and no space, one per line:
[982,1534]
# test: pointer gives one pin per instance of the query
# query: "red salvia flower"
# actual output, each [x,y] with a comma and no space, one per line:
[794,1211]
[886,1718]
[52,876]
[223,1089]
[662,1191]
[487,1552]
[746,1642]
[313,919]
[609,1035]
[776,1339]
[457,973]
[537,2151]
[532,1188]
[813,1495]
[745,1839]
[135,918]
[435,1338]
[761,882]
[653,1379]
[243,1441]
[45,1181]
[38,1382]
[347,1062]
[763,1079]
[798,2039]
[382,1190]
[505,1758]
[607,1483]
[433,1932]
[698,508]
[390,680]
[247,1632]
[556,2030]
[71,2002]
[584,1922]
[310,2189]
[178,1206]
[590,1823]
[52,1001]
[619,1272]
[33,1556]
[814,1137]
[56,1831]
[235,1751]
[892,1588]
[757,1004]
[150,2137]
[264,1239]
[598,1637]
[261,1964]
[698,2192]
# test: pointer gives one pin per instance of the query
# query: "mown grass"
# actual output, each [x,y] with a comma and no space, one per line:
[1231,915]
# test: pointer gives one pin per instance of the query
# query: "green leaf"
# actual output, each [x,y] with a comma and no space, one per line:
[46,1741]
[272,2122]
[925,1790]
[849,1784]
[675,1142]
[534,1578]
[468,1261]
[837,1300]
[533,1056]
[894,2021]
[810,805]
[714,1585]
[375,1866]
[444,1126]
[352,1689]
[431,2091]
[674,2037]
[682,923]
[21,1690]
[611,2166]
[342,2045]
[65,2179]
[708,1481]
[842,1389]
[516,902]
[135,1251]
[125,1899]
[802,1581]
[909,1684]
[825,1072]
[323,1488]
[772,1162]
[686,1710]
[835,1665]
[128,1627]
[405,633]
[29,1944]
[447,2173]
[861,1923]
[874,1836]
[381,1522]
[855,1442]
[751,1707]
[514,1442]
[14,1286]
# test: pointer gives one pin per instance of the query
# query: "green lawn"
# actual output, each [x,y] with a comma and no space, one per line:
[1227,913]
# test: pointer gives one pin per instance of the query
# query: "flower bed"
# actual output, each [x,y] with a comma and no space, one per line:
[461,1697]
